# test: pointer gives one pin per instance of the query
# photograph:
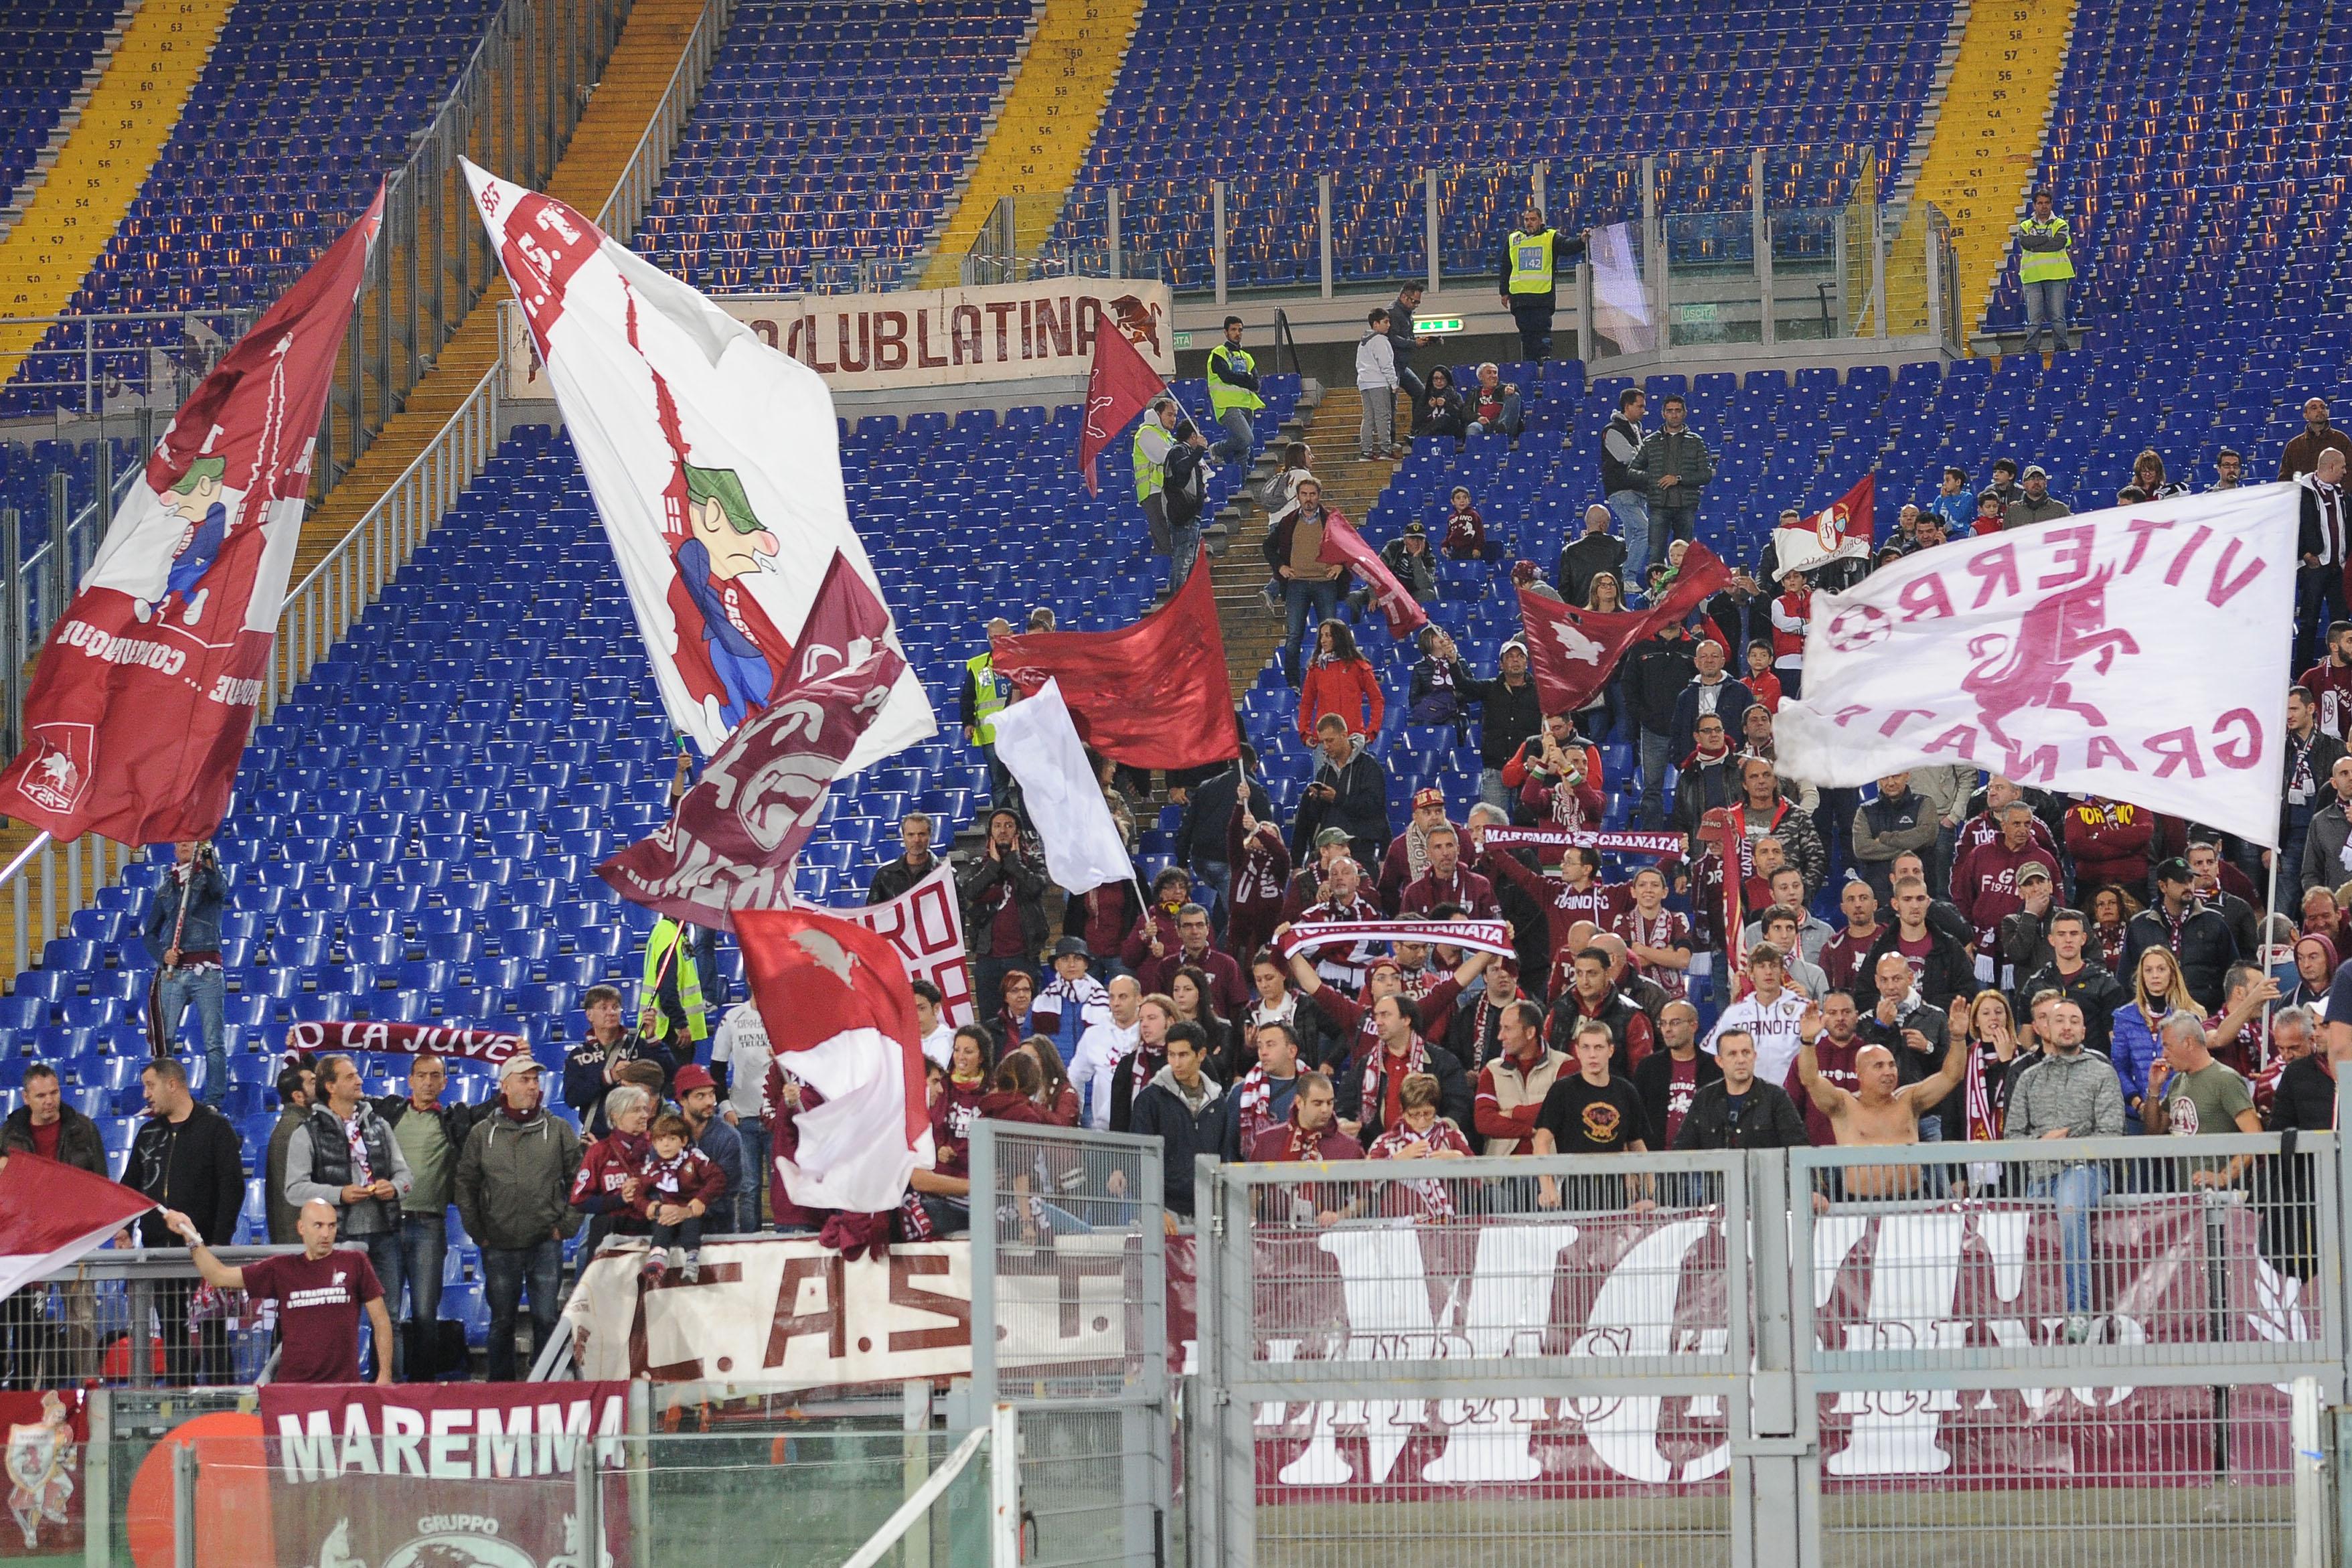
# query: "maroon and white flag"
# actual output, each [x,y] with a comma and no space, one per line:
[2137,653]
[731,842]
[1343,546]
[52,1214]
[146,689]
[1571,651]
[1473,936]
[1551,837]
[1841,530]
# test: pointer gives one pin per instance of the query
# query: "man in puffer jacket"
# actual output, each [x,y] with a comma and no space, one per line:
[512,1191]
[1675,466]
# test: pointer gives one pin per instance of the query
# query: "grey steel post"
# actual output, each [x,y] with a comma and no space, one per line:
[1654,255]
[1764,281]
[1760,240]
[641,1463]
[1535,183]
[982,1153]
[1584,311]
[1934,263]
[1217,234]
[1844,325]
[1769,1462]
[61,562]
[1234,1420]
[1429,225]
[588,1502]
[142,1303]
[1143,1427]
[184,1506]
[98,1482]
[1111,228]
[914,1450]
[15,645]
[1323,226]
[1878,267]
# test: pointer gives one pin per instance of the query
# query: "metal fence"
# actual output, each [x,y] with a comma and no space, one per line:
[1944,1354]
[1069,1287]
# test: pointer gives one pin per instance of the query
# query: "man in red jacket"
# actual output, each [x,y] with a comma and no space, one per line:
[1447,882]
[1985,827]
[1407,852]
[1989,893]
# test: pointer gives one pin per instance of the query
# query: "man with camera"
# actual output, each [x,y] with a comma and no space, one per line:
[182,935]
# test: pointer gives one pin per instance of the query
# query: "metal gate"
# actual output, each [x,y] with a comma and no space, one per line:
[1952,1354]
[1069,1293]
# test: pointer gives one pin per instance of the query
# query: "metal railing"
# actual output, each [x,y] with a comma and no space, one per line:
[101,366]
[48,881]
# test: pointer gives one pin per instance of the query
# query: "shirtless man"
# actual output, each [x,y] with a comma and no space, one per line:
[1881,1113]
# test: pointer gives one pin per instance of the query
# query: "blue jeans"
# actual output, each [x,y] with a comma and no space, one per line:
[384,1255]
[1491,790]
[2078,1189]
[750,1204]
[1240,438]
[1632,510]
[424,1247]
[1183,549]
[1323,600]
[203,987]
[2045,303]
[1655,759]
[1217,877]
[505,1272]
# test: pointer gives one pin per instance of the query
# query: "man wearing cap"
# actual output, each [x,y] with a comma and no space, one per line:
[1072,1002]
[2037,504]
[513,1190]
[737,1208]
[1307,883]
[1408,557]
[1003,894]
[2025,936]
[1510,712]
[2198,937]
[1407,852]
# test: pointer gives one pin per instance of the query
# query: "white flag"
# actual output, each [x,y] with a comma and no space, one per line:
[1036,740]
[1620,296]
[2139,653]
[714,460]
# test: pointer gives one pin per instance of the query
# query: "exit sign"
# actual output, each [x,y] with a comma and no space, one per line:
[1435,326]
[1181,339]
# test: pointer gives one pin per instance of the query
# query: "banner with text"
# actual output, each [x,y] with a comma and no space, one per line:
[930,337]
[925,924]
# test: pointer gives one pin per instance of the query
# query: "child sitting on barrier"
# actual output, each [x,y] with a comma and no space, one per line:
[675,1187]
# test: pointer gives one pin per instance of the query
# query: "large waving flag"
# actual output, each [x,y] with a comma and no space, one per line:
[713,458]
[1570,652]
[1152,695]
[1343,546]
[51,1214]
[1120,386]
[731,842]
[146,690]
[1036,741]
[841,1016]
[1841,530]
[2137,653]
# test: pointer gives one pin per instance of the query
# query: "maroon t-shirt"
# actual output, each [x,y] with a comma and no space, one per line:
[318,1311]
[1914,953]
[44,1139]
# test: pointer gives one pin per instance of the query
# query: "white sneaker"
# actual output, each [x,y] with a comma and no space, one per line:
[195,607]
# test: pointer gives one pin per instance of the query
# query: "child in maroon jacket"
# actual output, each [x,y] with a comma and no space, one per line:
[681,1179]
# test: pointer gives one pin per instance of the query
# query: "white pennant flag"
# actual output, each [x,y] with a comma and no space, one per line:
[713,458]
[2139,653]
[1036,740]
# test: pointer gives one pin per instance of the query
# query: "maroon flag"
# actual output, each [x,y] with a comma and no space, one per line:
[146,689]
[52,1214]
[731,844]
[1120,386]
[1152,695]
[1343,546]
[1571,651]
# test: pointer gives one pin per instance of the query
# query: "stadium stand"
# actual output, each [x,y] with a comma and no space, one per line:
[1200,98]
[42,61]
[830,134]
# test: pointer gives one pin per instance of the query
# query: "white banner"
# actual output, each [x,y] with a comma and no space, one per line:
[713,460]
[925,924]
[1036,741]
[2139,652]
[930,337]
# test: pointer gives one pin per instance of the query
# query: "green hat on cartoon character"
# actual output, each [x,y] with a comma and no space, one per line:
[204,468]
[721,517]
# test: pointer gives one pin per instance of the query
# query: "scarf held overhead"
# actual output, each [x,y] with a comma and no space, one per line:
[1476,936]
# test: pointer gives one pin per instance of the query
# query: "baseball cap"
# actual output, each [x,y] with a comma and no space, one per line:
[516,1065]
[690,1078]
[1416,526]
[2032,870]
[2033,468]
[1330,836]
[1422,797]
[1380,964]
[1508,646]
[2173,870]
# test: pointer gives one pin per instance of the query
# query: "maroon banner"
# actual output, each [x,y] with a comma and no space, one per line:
[45,1432]
[1120,386]
[731,841]
[146,688]
[1343,546]
[1572,651]
[1152,695]
[1581,838]
[428,1473]
[414,1040]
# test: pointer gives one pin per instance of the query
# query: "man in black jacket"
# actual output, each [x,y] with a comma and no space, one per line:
[186,1157]
[2324,545]
[1366,1087]
[894,878]
[1402,341]
[2199,937]
[1003,894]
[1656,670]
[2080,979]
[44,1123]
[1740,615]
[2311,756]
[45,1126]
[1938,965]
[1187,491]
[1350,792]
[1587,555]
[1509,712]
[1626,493]
[1200,841]
[1740,1111]
[1184,1108]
